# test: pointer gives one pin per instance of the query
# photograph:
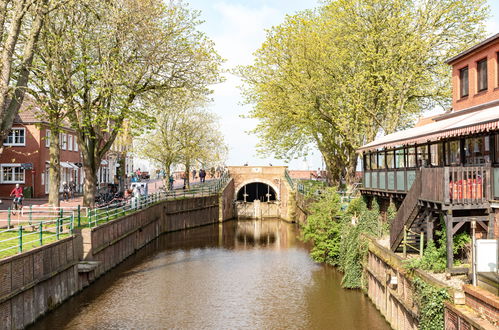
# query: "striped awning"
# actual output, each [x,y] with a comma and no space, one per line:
[449,126]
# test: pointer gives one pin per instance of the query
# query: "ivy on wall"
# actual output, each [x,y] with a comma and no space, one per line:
[430,301]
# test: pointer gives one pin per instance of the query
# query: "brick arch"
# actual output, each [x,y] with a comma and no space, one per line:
[258,180]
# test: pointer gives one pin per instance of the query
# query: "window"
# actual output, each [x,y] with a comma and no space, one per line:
[437,154]
[453,153]
[64,141]
[400,158]
[374,162]
[411,157]
[16,137]
[76,145]
[70,142]
[482,74]
[47,138]
[477,150]
[12,173]
[390,159]
[422,156]
[381,160]
[463,82]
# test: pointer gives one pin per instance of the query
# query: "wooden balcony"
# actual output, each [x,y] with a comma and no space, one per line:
[452,187]
[461,186]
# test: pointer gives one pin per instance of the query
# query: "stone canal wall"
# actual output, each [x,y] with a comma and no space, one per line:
[111,243]
[227,201]
[36,281]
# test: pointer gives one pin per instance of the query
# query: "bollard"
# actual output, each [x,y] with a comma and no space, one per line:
[79,215]
[30,214]
[107,213]
[8,218]
[40,230]
[57,228]
[20,239]
[71,225]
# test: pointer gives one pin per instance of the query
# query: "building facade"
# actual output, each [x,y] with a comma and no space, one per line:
[446,169]
[25,156]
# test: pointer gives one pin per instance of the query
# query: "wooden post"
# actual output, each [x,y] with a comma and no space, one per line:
[429,228]
[450,236]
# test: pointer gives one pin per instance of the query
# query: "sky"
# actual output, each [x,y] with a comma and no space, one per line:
[238,29]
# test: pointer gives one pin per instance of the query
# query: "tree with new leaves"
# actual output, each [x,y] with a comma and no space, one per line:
[112,54]
[337,76]
[184,133]
[20,25]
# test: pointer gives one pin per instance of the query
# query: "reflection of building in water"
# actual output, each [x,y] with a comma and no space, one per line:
[254,233]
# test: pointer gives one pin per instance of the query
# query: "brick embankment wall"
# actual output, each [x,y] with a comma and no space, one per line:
[111,243]
[478,310]
[227,201]
[36,281]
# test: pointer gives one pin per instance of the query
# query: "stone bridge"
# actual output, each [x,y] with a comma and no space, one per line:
[256,192]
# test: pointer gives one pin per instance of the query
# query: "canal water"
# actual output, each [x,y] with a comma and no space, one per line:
[239,275]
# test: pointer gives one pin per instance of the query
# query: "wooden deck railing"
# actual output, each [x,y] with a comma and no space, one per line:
[460,185]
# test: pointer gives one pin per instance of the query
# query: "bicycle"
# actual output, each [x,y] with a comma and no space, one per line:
[16,205]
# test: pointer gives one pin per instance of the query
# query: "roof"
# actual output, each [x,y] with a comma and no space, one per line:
[472,49]
[467,123]
[30,113]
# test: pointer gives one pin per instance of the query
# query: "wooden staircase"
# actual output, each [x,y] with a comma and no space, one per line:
[408,216]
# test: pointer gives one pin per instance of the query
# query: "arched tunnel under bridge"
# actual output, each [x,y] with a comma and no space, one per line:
[257,200]
[256,191]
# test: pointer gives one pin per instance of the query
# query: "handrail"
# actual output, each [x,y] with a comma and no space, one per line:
[289,179]
[31,232]
[405,212]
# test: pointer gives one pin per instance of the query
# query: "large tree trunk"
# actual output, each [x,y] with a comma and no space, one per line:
[89,186]
[167,176]
[122,171]
[10,108]
[187,174]
[54,169]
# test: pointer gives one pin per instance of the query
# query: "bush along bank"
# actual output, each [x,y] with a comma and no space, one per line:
[339,236]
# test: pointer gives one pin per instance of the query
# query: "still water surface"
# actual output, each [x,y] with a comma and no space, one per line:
[239,275]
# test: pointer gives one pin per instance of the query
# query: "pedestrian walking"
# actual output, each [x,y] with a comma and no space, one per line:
[184,177]
[72,189]
[65,191]
[171,180]
[194,174]
[202,175]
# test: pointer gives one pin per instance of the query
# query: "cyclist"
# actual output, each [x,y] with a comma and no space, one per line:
[17,192]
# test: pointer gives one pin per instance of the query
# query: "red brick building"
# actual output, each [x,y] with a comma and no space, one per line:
[25,155]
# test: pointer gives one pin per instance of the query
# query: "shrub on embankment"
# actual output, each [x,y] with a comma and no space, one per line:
[339,235]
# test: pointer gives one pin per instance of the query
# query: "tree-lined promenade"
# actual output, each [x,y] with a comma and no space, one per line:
[97,66]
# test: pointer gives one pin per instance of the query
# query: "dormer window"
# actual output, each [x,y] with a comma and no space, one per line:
[482,75]
[463,82]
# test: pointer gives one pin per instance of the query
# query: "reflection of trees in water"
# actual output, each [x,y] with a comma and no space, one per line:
[259,232]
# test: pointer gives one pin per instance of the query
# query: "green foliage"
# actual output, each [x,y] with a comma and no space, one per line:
[339,236]
[323,228]
[435,254]
[430,301]
[336,76]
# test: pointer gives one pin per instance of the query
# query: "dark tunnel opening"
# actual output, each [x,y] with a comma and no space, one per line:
[256,191]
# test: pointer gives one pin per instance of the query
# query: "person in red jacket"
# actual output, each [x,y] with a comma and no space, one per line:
[17,192]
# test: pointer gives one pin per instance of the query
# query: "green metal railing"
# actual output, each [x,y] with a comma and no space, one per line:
[33,231]
[289,179]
